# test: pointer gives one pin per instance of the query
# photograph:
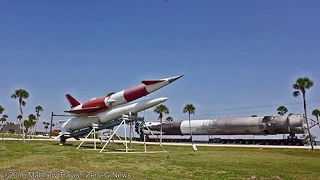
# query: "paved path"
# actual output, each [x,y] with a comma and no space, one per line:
[175,144]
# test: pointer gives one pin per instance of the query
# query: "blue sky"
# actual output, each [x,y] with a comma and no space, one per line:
[239,57]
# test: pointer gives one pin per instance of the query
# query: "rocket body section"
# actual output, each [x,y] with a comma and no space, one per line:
[81,122]
[231,126]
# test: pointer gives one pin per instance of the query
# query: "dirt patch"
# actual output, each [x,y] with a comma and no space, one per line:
[278,177]
[215,173]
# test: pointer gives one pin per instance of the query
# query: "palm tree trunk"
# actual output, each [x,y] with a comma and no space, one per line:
[30,133]
[22,122]
[2,130]
[131,125]
[161,131]
[318,121]
[305,113]
[35,127]
[19,129]
[190,129]
[26,132]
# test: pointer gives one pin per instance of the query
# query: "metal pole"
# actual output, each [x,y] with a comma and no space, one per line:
[94,138]
[154,137]
[144,141]
[51,125]
[125,135]
[85,138]
[114,132]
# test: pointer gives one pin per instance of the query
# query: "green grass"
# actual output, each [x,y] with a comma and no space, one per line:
[179,163]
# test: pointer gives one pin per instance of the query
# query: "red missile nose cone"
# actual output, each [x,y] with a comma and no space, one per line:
[174,78]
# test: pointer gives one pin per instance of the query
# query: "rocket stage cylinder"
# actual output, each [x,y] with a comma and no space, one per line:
[112,114]
[230,126]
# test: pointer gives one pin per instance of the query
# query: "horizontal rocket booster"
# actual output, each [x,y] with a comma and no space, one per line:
[81,122]
[230,126]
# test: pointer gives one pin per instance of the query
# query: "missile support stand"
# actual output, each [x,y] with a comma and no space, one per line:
[129,119]
[124,120]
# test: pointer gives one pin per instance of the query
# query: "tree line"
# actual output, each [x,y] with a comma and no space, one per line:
[28,125]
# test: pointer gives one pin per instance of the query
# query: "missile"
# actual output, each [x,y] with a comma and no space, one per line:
[80,122]
[229,126]
[119,98]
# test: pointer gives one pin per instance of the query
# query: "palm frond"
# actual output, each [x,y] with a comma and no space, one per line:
[19,117]
[14,96]
[295,86]
[296,93]
[282,110]
[161,109]
[32,117]
[38,109]
[169,118]
[1,109]
[5,116]
[189,108]
[20,93]
[316,112]
[27,123]
[302,84]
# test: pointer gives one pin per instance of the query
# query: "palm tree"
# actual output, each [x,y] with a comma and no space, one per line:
[1,109]
[254,115]
[190,109]
[38,109]
[19,118]
[21,94]
[316,113]
[169,118]
[46,126]
[27,124]
[161,109]
[3,119]
[32,118]
[301,85]
[282,110]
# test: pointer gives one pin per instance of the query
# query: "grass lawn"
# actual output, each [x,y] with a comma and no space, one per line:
[179,163]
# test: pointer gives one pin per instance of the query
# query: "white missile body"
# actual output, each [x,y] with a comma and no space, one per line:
[82,122]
